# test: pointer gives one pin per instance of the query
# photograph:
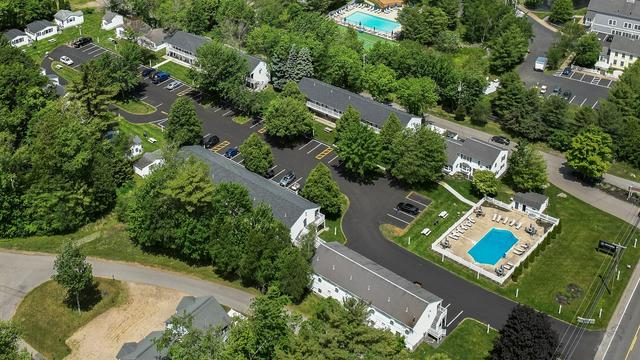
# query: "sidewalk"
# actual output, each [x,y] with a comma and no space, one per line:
[537,19]
[456,194]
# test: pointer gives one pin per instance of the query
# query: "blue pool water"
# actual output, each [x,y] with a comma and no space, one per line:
[373,22]
[493,245]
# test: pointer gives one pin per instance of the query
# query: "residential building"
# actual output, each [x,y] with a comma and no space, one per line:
[617,23]
[183,46]
[154,39]
[17,38]
[111,20]
[530,201]
[66,18]
[41,29]
[296,212]
[331,102]
[147,163]
[136,147]
[205,312]
[620,53]
[384,4]
[394,303]
[259,76]
[468,155]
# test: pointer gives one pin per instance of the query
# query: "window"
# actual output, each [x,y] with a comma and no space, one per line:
[627,25]
[319,279]
[621,63]
[615,62]
[623,56]
[406,332]
[337,290]
[616,53]
[613,22]
[319,290]
[636,27]
[391,322]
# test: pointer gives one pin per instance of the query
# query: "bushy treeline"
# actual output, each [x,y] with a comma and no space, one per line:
[18,13]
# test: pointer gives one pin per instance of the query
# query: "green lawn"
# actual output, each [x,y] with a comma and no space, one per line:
[491,127]
[177,71]
[320,134]
[367,39]
[80,4]
[625,170]
[334,226]
[46,321]
[140,129]
[469,341]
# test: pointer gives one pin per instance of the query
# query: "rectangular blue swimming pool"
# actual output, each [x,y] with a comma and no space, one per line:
[372,22]
[493,246]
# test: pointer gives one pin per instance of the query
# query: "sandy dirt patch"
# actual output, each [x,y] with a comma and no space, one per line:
[146,310]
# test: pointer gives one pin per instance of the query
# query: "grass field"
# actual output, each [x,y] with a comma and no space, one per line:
[140,130]
[569,260]
[334,226]
[177,71]
[625,170]
[469,341]
[367,39]
[46,321]
[320,134]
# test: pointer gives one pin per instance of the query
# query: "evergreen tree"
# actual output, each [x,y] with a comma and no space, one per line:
[293,273]
[481,112]
[555,112]
[92,89]
[391,129]
[278,71]
[304,64]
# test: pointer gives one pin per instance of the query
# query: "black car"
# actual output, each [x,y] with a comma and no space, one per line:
[269,174]
[500,140]
[81,41]
[557,90]
[567,95]
[288,179]
[255,120]
[148,72]
[408,208]
[211,141]
[566,71]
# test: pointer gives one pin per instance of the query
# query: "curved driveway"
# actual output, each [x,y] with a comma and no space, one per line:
[21,272]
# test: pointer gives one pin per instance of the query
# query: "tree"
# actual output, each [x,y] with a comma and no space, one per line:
[256,154]
[527,169]
[121,72]
[343,68]
[555,112]
[391,129]
[287,118]
[323,190]
[508,50]
[526,335]
[9,341]
[220,68]
[417,95]
[590,153]
[517,108]
[183,341]
[184,126]
[481,112]
[380,81]
[92,89]
[423,24]
[448,41]
[72,271]
[357,145]
[420,155]
[561,11]
[484,182]
[587,50]
[293,273]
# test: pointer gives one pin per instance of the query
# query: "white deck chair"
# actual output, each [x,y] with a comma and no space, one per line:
[505,220]
[518,251]
[494,217]
[499,218]
[518,226]
[513,221]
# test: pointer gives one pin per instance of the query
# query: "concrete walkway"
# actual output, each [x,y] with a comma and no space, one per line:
[456,194]
[535,18]
[161,63]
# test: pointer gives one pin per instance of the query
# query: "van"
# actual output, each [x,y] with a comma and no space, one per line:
[159,77]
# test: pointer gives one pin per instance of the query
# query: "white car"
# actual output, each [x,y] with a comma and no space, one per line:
[543,89]
[173,85]
[152,140]
[66,60]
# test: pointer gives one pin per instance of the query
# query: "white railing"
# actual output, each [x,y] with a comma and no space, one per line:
[323,110]
[534,214]
[498,203]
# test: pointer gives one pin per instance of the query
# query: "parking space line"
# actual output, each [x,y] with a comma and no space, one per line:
[333,158]
[220,146]
[162,82]
[204,137]
[256,124]
[305,145]
[262,130]
[143,98]
[594,104]
[158,121]
[415,201]
[324,153]
[583,101]
[181,85]
[454,319]
[89,48]
[227,113]
[94,50]
[570,101]
[583,75]
[240,162]
[273,167]
[217,109]
[298,179]
[391,216]
[405,213]
[317,146]
[276,175]
[235,156]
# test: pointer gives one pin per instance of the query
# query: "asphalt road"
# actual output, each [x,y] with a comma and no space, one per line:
[584,93]
[370,204]
[20,273]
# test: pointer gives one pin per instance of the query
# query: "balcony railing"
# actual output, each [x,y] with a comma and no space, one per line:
[334,114]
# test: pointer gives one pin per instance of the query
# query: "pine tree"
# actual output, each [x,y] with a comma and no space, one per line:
[278,75]
[390,130]
[304,63]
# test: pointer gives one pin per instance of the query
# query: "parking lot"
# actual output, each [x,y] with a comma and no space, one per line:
[402,219]
[586,78]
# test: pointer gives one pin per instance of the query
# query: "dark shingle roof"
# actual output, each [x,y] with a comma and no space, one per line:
[63,15]
[148,159]
[621,8]
[13,33]
[157,36]
[531,199]
[285,205]
[35,26]
[143,350]
[628,45]
[187,41]
[252,61]
[109,16]
[367,280]
[370,111]
[205,312]
[477,149]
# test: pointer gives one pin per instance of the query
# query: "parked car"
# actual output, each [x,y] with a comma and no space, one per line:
[148,72]
[159,77]
[66,60]
[557,90]
[295,187]
[543,89]
[269,174]
[500,140]
[567,95]
[173,85]
[566,71]
[255,120]
[81,41]
[408,208]
[288,179]
[231,152]
[211,141]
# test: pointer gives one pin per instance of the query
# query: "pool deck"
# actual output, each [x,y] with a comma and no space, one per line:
[483,224]
[345,11]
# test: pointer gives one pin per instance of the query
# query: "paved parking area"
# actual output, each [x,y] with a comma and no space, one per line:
[403,219]
[586,78]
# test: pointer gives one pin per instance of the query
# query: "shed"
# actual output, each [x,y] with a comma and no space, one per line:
[530,201]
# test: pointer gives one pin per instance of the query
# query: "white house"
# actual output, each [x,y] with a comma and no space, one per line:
[259,76]
[331,102]
[468,155]
[530,201]
[136,147]
[147,163]
[183,46]
[111,20]
[296,212]
[17,38]
[41,29]
[66,18]
[154,39]
[395,303]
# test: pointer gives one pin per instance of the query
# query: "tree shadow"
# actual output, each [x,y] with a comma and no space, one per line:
[89,298]
[367,179]
[285,143]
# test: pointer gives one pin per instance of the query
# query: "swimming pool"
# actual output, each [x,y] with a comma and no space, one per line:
[372,22]
[493,245]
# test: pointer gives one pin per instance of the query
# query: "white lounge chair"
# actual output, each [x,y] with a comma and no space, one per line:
[513,221]
[471,220]
[494,217]
[505,220]
[507,266]
[518,251]
[518,226]
[499,218]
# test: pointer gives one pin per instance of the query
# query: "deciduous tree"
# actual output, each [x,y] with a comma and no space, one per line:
[184,126]
[287,118]
[391,129]
[323,190]
[508,50]
[256,154]
[484,182]
[561,11]
[357,145]
[9,341]
[380,81]
[590,153]
[588,49]
[420,156]
[417,95]
[527,169]
[72,271]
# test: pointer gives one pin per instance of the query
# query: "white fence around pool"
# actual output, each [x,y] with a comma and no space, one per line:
[435,246]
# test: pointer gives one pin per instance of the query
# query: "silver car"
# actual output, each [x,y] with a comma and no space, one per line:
[173,85]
